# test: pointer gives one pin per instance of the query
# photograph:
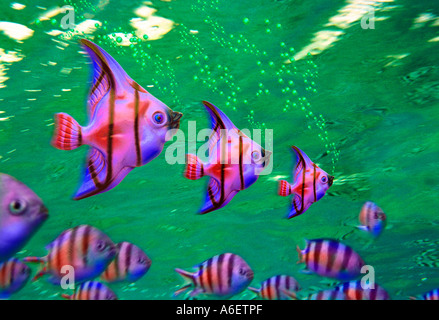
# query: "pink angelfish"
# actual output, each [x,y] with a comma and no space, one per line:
[127,129]
[235,161]
[309,186]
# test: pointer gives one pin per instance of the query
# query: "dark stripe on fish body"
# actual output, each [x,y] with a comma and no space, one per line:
[136,128]
[98,289]
[230,265]
[219,268]
[314,183]
[317,250]
[85,243]
[347,252]
[332,255]
[241,151]
[110,139]
[71,248]
[129,250]
[198,280]
[277,285]
[208,271]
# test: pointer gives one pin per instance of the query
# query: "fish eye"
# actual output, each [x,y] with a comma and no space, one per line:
[17,207]
[256,155]
[101,246]
[141,261]
[324,179]
[158,117]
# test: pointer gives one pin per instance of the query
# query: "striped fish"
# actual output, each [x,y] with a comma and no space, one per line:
[354,291]
[235,161]
[130,264]
[91,290]
[85,248]
[221,276]
[280,287]
[431,295]
[14,275]
[330,258]
[372,219]
[330,294]
[127,127]
[310,184]
[22,213]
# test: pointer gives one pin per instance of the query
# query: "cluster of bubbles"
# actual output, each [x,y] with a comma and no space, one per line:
[294,82]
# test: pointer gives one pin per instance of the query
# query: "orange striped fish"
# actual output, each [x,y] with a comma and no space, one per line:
[14,275]
[309,186]
[280,287]
[130,264]
[91,290]
[128,126]
[331,258]
[221,276]
[85,248]
[372,219]
[235,161]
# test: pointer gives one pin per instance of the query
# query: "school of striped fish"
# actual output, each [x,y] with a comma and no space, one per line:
[128,128]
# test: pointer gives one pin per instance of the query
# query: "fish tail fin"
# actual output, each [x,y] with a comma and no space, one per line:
[254,290]
[194,167]
[301,257]
[68,133]
[284,188]
[188,279]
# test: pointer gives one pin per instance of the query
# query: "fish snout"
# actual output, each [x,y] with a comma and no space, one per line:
[175,119]
[330,180]
[43,212]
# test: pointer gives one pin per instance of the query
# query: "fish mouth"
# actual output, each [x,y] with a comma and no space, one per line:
[330,180]
[175,119]
[43,214]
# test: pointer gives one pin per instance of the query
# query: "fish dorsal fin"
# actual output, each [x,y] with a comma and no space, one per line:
[302,162]
[107,75]
[219,121]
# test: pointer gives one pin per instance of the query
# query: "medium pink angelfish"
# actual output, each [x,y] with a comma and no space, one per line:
[235,161]
[309,186]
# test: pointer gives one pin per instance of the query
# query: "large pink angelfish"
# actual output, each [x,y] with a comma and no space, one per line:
[235,161]
[127,125]
[310,184]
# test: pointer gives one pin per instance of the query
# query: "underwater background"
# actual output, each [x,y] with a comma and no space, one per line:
[361,102]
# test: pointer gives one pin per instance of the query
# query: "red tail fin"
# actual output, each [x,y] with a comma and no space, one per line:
[67,134]
[284,188]
[194,167]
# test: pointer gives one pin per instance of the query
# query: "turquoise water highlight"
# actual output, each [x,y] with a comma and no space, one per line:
[372,94]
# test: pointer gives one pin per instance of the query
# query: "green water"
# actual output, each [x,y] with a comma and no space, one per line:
[364,109]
